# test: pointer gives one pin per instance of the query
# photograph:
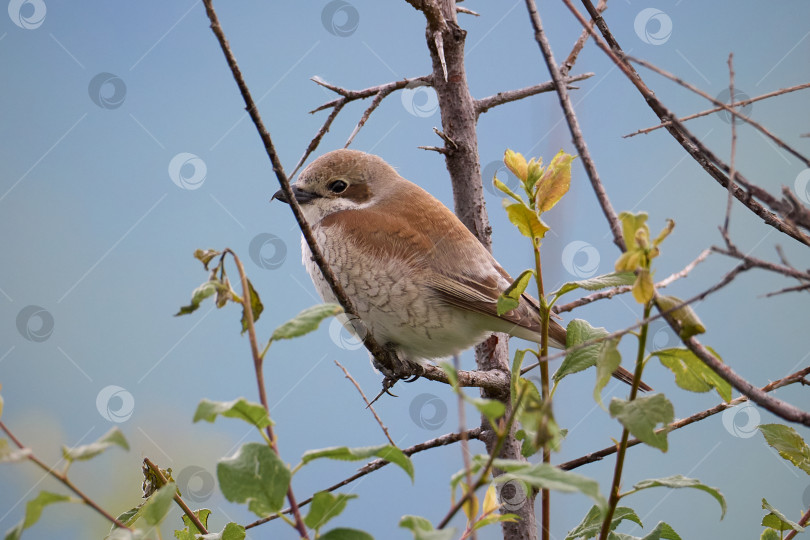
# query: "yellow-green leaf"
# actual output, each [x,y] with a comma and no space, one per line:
[643,288]
[630,224]
[490,500]
[685,315]
[554,183]
[525,220]
[516,163]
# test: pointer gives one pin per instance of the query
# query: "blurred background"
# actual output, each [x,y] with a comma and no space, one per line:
[126,147]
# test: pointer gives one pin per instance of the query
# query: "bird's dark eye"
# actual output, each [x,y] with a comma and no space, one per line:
[337,186]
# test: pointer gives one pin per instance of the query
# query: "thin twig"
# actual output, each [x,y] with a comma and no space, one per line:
[316,140]
[573,125]
[739,104]
[732,161]
[795,288]
[566,66]
[258,362]
[728,278]
[802,523]
[610,293]
[693,146]
[444,440]
[731,110]
[177,498]
[63,478]
[678,424]
[484,104]
[462,428]
[368,405]
[759,263]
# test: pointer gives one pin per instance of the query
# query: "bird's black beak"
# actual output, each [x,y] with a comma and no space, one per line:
[300,195]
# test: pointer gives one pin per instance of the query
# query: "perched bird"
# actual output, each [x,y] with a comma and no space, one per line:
[423,285]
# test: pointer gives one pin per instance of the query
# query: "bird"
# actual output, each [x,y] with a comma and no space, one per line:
[421,282]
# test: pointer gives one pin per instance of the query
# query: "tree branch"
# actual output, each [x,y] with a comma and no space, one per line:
[599,454]
[484,104]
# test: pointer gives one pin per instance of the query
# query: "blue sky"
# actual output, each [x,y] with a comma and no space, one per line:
[100,218]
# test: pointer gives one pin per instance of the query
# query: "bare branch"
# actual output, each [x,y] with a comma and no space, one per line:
[731,110]
[610,293]
[444,440]
[573,125]
[566,66]
[368,405]
[710,163]
[678,424]
[717,109]
[732,161]
[485,104]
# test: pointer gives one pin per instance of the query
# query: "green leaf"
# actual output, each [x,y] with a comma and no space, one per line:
[346,534]
[191,531]
[517,363]
[33,508]
[591,524]
[324,507]
[516,163]
[679,481]
[158,505]
[685,315]
[770,534]
[578,332]
[255,306]
[691,373]
[15,533]
[11,454]
[614,279]
[232,531]
[422,529]
[630,224]
[788,443]
[255,475]
[252,413]
[546,476]
[209,288]
[607,360]
[505,189]
[509,299]
[777,520]
[130,516]
[495,518]
[554,183]
[88,451]
[492,409]
[525,220]
[642,415]
[662,531]
[344,453]
[306,321]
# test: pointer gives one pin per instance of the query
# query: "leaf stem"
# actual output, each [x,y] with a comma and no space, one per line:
[617,473]
[545,495]
[62,477]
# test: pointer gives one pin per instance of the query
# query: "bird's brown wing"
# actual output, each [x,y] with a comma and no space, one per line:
[481,296]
